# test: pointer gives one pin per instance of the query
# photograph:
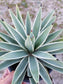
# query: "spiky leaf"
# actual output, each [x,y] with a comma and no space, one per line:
[18,26]
[57,52]
[44,74]
[51,21]
[30,76]
[29,45]
[56,65]
[9,46]
[42,38]
[32,81]
[32,37]
[19,15]
[20,69]
[20,40]
[50,47]
[8,31]
[21,78]
[28,24]
[37,24]
[7,63]
[43,55]
[46,20]
[52,36]
[2,52]
[34,68]
[58,40]
[7,38]
[14,55]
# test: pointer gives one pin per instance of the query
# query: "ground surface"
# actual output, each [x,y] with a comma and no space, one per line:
[32,6]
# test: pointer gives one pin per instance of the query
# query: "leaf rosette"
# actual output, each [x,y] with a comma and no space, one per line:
[33,50]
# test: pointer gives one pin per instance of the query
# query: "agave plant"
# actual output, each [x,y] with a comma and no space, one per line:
[33,50]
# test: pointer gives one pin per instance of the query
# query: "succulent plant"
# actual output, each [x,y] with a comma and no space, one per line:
[32,47]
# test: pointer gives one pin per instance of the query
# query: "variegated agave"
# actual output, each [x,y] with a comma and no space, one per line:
[33,50]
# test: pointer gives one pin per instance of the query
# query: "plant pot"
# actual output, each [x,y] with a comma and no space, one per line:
[26,79]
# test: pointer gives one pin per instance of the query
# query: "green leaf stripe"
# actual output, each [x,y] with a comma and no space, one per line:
[28,24]
[21,78]
[19,16]
[2,52]
[20,69]
[2,22]
[51,21]
[37,24]
[17,24]
[17,36]
[50,47]
[55,65]
[7,63]
[28,44]
[43,55]
[42,38]
[9,46]
[46,20]
[14,55]
[7,38]
[57,52]
[44,74]
[34,68]
[52,36]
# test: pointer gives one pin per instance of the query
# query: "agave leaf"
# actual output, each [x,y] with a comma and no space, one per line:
[44,74]
[34,68]
[2,52]
[28,44]
[57,52]
[9,46]
[32,37]
[55,65]
[7,63]
[28,72]
[21,78]
[7,38]
[14,55]
[17,24]
[37,24]
[43,55]
[32,81]
[17,36]
[19,15]
[51,21]
[8,31]
[28,24]
[52,36]
[43,36]
[46,20]
[20,69]
[50,47]
[58,40]
[30,76]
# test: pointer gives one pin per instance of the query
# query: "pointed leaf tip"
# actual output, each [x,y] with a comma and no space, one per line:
[18,25]
[42,37]
[47,20]
[37,24]
[28,24]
